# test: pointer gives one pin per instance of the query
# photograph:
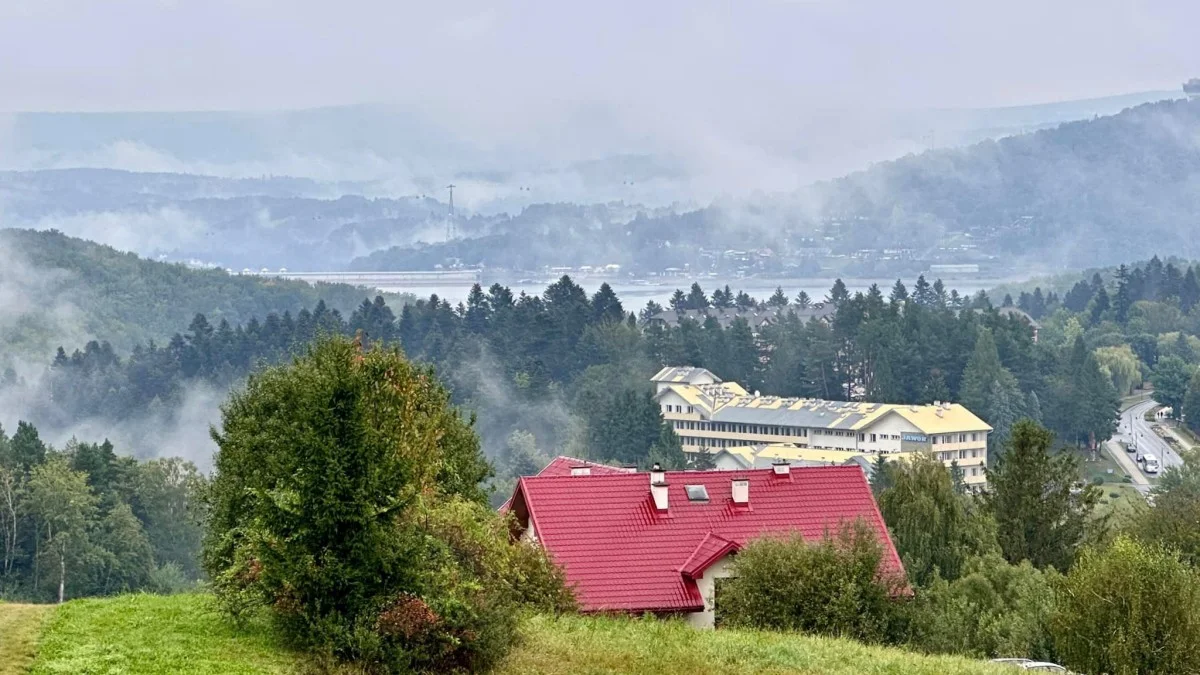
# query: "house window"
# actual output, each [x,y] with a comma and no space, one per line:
[974,471]
[862,437]
[975,452]
[872,438]
[696,493]
[962,438]
[689,408]
[934,439]
[974,437]
[962,454]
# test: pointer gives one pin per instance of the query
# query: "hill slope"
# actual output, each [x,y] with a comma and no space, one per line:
[1085,193]
[155,634]
[56,290]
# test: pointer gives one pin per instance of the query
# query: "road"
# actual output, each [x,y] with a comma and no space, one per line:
[1135,430]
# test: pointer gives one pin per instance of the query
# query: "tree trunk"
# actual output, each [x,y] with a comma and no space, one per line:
[62,571]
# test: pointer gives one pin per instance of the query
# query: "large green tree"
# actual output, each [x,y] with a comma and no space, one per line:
[329,475]
[1129,608]
[933,527]
[1170,379]
[1041,512]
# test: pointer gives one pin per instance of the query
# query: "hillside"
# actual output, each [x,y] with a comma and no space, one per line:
[155,634]
[1084,193]
[61,290]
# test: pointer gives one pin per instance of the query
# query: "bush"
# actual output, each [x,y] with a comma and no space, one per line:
[168,579]
[1129,608]
[829,587]
[346,500]
[995,609]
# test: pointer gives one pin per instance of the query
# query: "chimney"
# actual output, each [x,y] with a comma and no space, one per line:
[741,491]
[657,475]
[781,467]
[659,492]
[581,471]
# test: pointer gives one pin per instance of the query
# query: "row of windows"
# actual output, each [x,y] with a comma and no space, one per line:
[667,407]
[962,438]
[973,453]
[730,427]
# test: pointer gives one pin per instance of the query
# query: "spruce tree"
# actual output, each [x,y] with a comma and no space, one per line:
[1041,514]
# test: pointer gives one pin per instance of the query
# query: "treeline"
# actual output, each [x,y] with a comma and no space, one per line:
[84,521]
[565,372]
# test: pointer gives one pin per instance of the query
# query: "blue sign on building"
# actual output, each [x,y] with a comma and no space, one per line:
[914,438]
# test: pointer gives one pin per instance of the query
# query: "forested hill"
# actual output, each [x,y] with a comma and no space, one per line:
[56,289]
[1085,193]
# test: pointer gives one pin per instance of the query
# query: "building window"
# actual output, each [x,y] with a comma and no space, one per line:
[974,437]
[962,438]
[962,454]
[974,471]
[862,436]
[872,438]
[934,440]
[689,409]
[975,452]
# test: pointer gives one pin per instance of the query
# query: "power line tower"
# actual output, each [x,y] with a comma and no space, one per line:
[450,214]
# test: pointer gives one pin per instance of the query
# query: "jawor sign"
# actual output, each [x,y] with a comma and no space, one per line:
[912,442]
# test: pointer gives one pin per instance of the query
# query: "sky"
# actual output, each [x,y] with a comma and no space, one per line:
[748,94]
[740,60]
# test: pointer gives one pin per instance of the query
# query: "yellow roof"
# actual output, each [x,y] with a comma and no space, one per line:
[930,419]
[787,451]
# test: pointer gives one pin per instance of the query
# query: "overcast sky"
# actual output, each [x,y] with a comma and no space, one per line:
[733,57]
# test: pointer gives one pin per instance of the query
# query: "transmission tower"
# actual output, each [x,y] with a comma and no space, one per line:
[450,214]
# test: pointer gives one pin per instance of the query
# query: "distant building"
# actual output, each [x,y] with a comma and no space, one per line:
[1192,88]
[710,415]
[658,542]
[1021,315]
[766,456]
[946,271]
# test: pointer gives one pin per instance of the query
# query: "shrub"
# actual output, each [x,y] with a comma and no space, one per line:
[346,500]
[1129,608]
[995,609]
[828,587]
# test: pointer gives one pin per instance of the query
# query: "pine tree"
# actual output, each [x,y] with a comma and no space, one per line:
[982,372]
[838,294]
[667,451]
[1189,291]
[923,292]
[1191,403]
[678,301]
[606,307]
[696,299]
[1032,495]
[1100,305]
[778,298]
[899,294]
[1123,300]
[803,301]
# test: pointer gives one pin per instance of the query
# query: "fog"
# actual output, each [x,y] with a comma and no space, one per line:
[763,95]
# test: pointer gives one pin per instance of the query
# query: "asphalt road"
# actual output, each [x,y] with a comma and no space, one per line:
[1135,430]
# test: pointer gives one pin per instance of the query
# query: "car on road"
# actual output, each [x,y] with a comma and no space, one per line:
[1129,447]
[1150,463]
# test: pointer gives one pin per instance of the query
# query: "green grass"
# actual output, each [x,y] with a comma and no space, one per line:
[146,634]
[1122,508]
[19,628]
[153,634]
[593,645]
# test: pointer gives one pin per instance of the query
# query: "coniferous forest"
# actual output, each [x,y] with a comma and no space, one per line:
[567,373]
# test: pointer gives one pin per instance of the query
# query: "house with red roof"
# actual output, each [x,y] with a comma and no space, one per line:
[657,541]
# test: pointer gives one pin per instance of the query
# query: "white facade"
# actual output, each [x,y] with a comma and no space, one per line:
[707,585]
[707,418]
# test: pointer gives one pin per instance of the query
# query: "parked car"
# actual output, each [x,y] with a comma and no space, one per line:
[1035,666]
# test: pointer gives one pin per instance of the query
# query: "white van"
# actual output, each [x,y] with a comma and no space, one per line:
[1150,464]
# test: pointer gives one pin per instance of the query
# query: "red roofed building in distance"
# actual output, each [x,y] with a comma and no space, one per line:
[573,466]
[657,541]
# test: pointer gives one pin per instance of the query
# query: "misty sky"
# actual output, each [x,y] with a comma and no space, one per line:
[736,59]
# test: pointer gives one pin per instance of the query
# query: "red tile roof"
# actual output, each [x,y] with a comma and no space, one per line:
[622,555]
[562,465]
